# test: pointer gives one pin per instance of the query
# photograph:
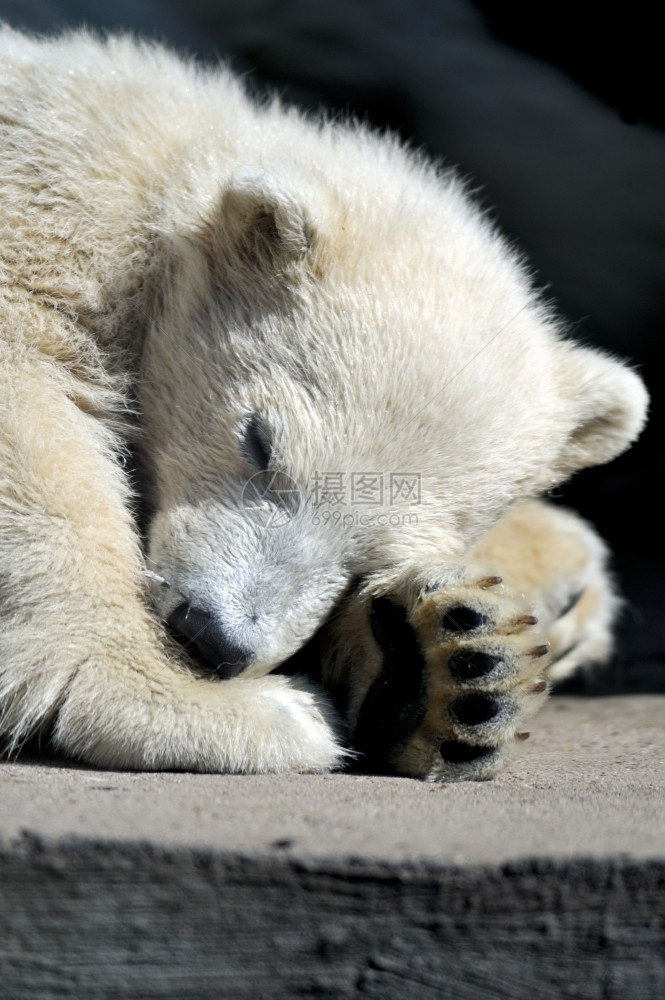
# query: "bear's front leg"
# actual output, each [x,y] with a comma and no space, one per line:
[81,654]
[441,671]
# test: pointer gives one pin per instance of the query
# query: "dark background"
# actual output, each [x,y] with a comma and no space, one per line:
[556,112]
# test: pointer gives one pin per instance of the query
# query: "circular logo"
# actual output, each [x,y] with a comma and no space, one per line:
[271,499]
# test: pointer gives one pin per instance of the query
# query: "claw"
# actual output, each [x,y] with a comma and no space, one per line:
[539,687]
[539,650]
[489,581]
[522,736]
[524,620]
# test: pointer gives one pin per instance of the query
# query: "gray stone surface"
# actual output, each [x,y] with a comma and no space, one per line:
[547,882]
[139,923]
[590,781]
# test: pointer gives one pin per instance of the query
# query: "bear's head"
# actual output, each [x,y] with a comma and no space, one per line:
[350,375]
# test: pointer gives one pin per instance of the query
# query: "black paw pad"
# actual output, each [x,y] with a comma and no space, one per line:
[463,619]
[473,709]
[389,625]
[455,752]
[466,666]
[394,707]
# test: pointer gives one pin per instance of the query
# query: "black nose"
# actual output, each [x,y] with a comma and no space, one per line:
[200,629]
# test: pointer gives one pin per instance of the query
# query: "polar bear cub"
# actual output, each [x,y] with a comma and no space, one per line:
[345,398]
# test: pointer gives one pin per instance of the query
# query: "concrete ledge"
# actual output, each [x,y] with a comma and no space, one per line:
[548,882]
[90,920]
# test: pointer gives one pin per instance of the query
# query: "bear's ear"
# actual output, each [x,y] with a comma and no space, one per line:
[258,217]
[610,402]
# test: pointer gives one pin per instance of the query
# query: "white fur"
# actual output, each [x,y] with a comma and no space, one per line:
[170,248]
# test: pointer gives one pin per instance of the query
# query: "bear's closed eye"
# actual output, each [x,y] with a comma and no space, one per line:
[257,442]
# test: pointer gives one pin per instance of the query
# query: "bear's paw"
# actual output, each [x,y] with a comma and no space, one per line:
[464,666]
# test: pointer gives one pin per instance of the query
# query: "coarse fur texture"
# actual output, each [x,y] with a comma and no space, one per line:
[274,312]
